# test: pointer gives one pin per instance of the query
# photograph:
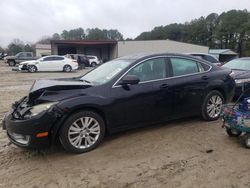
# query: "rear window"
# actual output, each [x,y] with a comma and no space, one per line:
[211,59]
[182,66]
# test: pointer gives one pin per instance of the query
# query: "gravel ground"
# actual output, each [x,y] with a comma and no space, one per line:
[185,153]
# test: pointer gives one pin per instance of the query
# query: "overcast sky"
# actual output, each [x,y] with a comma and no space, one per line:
[29,20]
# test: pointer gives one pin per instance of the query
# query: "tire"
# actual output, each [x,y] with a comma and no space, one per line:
[233,132]
[12,63]
[67,68]
[247,140]
[93,64]
[82,139]
[32,68]
[212,106]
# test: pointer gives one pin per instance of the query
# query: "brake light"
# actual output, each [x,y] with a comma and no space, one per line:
[74,61]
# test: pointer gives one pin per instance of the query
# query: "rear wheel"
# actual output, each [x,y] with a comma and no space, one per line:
[67,68]
[247,140]
[212,106]
[82,132]
[32,68]
[233,132]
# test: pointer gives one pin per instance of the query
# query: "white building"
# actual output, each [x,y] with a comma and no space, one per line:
[108,49]
[43,50]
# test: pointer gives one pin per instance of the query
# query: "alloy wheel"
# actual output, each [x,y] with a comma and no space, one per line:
[32,69]
[67,68]
[214,106]
[84,132]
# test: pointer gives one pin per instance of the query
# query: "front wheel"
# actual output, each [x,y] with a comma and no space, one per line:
[32,68]
[82,132]
[212,106]
[12,63]
[233,132]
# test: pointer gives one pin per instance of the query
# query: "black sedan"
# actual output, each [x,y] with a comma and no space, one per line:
[121,94]
[241,70]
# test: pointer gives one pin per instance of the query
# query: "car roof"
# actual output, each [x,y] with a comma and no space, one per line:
[54,56]
[139,56]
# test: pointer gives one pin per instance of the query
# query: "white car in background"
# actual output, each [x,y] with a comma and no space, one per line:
[49,63]
[93,60]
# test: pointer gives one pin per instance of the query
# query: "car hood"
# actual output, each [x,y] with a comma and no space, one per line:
[10,57]
[30,61]
[241,74]
[56,90]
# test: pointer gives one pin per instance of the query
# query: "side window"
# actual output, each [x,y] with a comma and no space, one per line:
[48,59]
[181,66]
[58,58]
[150,70]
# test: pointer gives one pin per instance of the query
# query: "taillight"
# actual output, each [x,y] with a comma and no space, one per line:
[74,61]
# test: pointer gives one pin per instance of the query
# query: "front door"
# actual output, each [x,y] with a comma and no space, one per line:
[143,103]
[46,64]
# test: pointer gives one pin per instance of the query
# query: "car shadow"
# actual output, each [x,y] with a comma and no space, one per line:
[57,150]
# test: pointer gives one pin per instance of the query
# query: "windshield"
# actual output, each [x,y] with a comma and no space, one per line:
[106,72]
[242,64]
[18,54]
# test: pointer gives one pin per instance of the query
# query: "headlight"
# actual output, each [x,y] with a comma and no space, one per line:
[37,109]
[239,81]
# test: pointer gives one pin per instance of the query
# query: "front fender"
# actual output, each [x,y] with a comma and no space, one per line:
[72,105]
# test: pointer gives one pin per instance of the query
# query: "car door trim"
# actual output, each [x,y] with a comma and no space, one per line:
[117,86]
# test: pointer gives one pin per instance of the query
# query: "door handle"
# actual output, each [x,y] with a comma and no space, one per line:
[164,86]
[204,77]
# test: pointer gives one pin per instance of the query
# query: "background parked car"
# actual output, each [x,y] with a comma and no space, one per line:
[207,57]
[241,69]
[124,93]
[93,60]
[82,60]
[49,63]
[20,57]
[2,55]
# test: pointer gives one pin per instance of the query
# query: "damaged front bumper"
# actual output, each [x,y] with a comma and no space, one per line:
[27,132]
[21,68]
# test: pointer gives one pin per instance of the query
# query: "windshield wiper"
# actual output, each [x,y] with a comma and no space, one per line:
[86,81]
[241,69]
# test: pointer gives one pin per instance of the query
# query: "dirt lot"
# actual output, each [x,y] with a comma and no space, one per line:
[186,153]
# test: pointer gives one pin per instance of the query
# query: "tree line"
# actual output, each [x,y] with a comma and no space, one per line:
[228,30]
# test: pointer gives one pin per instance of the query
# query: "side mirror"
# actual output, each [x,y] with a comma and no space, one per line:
[129,80]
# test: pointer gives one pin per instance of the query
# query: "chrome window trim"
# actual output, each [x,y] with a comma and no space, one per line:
[117,86]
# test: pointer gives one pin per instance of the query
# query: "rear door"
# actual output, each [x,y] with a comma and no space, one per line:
[58,63]
[188,82]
